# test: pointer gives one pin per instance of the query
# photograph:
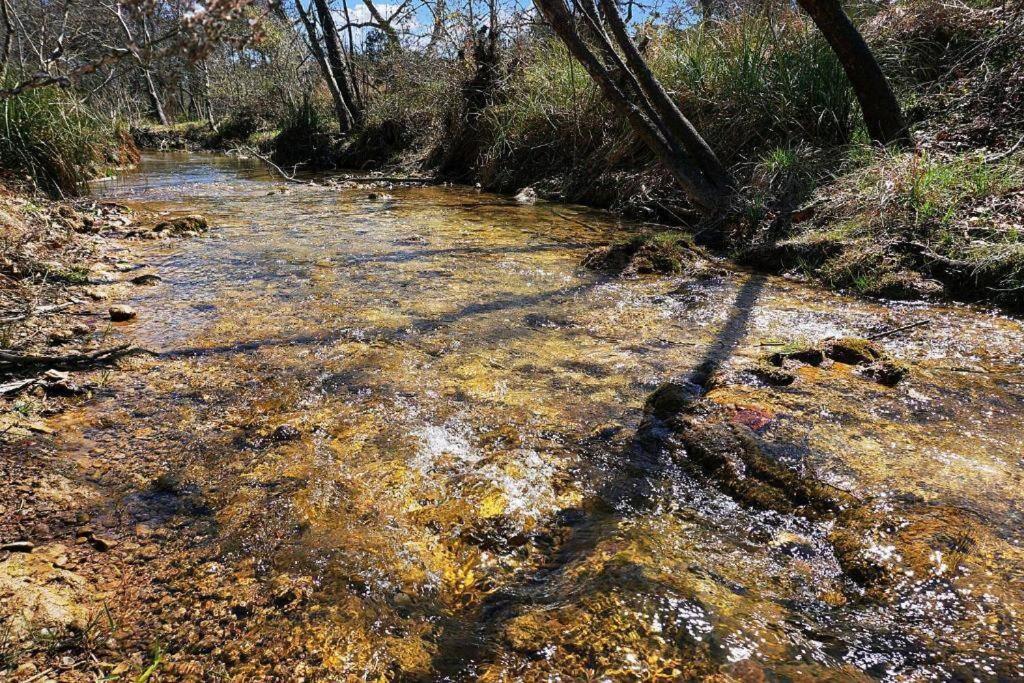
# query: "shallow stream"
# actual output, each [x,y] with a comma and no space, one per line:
[459,485]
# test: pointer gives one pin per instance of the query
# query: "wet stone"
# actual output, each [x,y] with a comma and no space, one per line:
[121,313]
[286,432]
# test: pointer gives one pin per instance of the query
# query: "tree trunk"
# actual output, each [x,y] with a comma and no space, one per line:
[697,187]
[384,24]
[336,57]
[342,113]
[678,125]
[882,113]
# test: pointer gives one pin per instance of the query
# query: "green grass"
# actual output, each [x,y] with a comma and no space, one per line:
[48,138]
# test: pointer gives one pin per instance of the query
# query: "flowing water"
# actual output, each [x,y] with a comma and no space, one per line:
[462,494]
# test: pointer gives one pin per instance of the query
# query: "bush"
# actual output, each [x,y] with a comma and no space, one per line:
[48,138]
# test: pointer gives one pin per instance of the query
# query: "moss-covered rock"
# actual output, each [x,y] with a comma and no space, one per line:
[853,351]
[666,253]
[183,225]
[773,375]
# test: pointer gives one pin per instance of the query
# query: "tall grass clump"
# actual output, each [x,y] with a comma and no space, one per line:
[49,138]
[305,133]
[757,81]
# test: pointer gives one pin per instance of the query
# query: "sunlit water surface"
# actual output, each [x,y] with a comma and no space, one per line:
[465,483]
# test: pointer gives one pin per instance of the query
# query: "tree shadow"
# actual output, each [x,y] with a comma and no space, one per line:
[469,640]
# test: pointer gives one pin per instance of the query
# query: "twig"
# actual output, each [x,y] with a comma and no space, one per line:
[1002,155]
[911,326]
[42,310]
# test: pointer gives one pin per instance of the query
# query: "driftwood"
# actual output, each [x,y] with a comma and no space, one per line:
[10,360]
[387,179]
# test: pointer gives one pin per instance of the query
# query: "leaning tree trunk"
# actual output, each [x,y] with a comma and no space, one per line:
[882,113]
[336,57]
[678,125]
[634,107]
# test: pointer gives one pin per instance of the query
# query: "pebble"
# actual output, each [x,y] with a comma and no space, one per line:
[120,313]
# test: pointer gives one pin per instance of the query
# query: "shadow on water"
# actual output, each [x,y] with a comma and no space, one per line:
[397,334]
[469,641]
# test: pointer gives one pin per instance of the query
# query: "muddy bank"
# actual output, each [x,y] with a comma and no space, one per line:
[405,437]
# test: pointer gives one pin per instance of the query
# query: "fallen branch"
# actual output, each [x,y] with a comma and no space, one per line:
[42,310]
[919,323]
[290,178]
[1007,153]
[71,359]
[11,387]
[388,179]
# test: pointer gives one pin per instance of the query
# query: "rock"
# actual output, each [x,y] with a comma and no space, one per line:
[146,279]
[18,547]
[606,431]
[185,225]
[527,195]
[121,313]
[809,355]
[853,351]
[286,432]
[667,253]
[887,371]
[102,543]
[773,375]
[96,293]
[671,398]
[60,337]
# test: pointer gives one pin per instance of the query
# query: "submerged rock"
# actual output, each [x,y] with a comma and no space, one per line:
[887,371]
[671,399]
[286,432]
